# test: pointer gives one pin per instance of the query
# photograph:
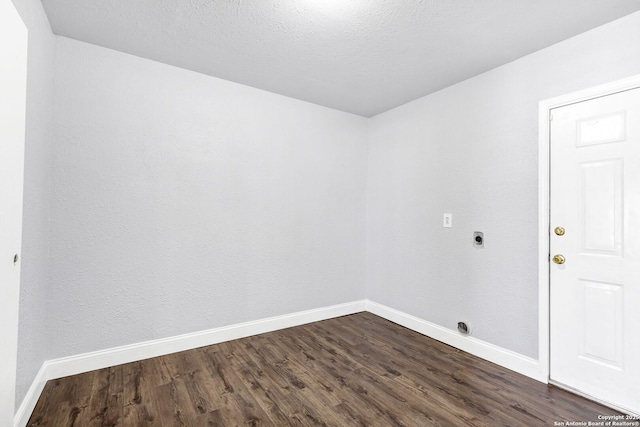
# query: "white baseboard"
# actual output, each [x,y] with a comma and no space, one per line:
[130,353]
[509,359]
[22,415]
[57,368]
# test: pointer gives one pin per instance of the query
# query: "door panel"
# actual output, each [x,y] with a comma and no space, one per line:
[601,338]
[600,205]
[595,293]
[601,129]
[13,75]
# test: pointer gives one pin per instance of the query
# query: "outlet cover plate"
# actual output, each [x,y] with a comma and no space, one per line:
[447,220]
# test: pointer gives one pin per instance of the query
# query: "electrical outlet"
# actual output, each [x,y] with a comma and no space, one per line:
[478,239]
[447,220]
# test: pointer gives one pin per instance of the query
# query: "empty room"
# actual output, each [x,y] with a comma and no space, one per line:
[319,213]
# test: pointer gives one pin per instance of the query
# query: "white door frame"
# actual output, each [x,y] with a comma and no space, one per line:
[543,201]
[13,84]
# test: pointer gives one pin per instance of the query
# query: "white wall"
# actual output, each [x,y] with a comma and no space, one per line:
[33,337]
[184,202]
[471,150]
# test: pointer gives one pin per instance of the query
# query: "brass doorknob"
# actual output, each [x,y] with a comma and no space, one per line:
[559,231]
[559,259]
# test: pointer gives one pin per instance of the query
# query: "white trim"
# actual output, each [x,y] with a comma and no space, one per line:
[57,368]
[22,415]
[509,359]
[130,353]
[543,238]
[544,109]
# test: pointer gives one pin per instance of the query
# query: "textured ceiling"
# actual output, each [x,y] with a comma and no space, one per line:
[360,56]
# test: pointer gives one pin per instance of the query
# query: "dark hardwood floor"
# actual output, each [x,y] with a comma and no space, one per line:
[357,370]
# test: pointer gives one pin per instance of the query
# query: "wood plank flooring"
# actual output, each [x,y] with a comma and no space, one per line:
[357,370]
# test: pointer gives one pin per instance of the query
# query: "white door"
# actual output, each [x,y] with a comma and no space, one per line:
[13,82]
[595,293]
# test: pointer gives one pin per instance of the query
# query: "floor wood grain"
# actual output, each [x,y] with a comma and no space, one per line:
[357,370]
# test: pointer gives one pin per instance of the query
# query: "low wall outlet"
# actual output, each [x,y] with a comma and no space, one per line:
[478,239]
[447,220]
[463,328]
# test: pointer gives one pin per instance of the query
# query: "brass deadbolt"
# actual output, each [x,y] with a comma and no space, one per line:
[559,231]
